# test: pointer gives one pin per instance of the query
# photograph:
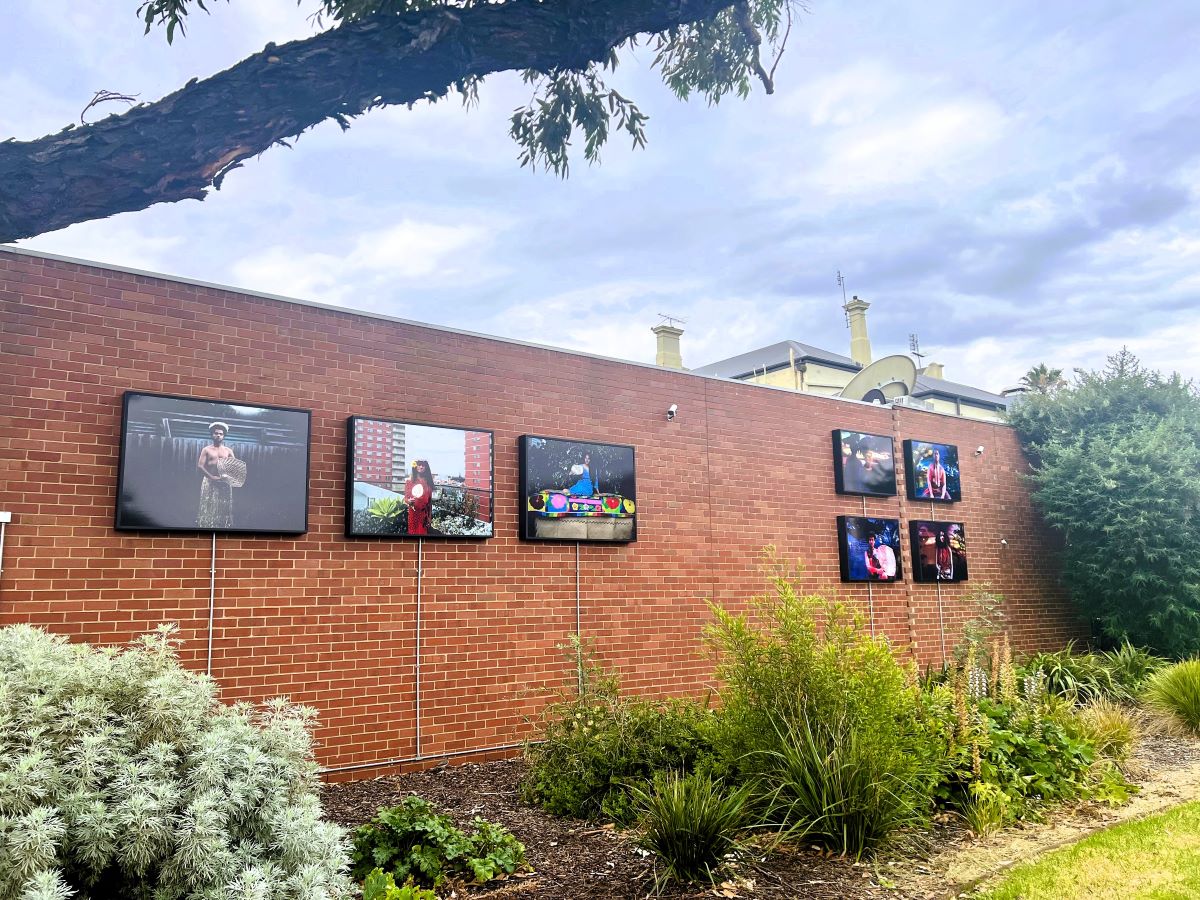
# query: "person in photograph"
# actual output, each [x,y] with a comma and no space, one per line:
[418,493]
[583,486]
[880,558]
[943,557]
[935,479]
[216,490]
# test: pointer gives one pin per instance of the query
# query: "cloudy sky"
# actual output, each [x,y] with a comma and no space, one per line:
[1016,182]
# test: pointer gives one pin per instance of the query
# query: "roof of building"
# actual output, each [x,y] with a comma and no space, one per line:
[777,355]
[773,357]
[927,384]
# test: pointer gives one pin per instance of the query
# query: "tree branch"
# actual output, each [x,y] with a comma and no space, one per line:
[179,146]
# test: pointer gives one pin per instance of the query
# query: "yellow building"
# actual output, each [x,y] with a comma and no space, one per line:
[802,367]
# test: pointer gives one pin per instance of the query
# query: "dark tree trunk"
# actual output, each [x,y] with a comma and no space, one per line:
[179,146]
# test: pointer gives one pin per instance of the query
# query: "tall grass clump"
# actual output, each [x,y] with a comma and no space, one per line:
[822,717]
[691,823]
[1176,691]
[122,776]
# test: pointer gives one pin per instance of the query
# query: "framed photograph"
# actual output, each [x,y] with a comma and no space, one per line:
[212,465]
[939,551]
[933,473]
[412,480]
[869,549]
[864,463]
[577,491]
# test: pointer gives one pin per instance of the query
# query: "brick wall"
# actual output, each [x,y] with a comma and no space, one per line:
[332,621]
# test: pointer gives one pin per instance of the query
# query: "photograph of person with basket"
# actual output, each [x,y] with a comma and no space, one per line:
[252,461]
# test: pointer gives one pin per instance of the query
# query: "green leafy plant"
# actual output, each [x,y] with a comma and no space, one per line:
[814,706]
[121,775]
[1014,748]
[691,823]
[412,841]
[388,510]
[589,748]
[1176,691]
[380,885]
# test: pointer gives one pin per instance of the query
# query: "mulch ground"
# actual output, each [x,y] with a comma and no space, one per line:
[572,859]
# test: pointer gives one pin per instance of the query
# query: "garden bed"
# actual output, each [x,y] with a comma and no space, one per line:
[573,859]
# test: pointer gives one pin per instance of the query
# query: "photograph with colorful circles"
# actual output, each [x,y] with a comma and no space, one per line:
[577,491]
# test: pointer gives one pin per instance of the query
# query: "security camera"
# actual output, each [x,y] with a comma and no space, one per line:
[672,410]
[1003,542]
[979,450]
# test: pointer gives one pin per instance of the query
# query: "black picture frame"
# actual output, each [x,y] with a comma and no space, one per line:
[869,468]
[161,488]
[924,537]
[854,534]
[605,517]
[918,456]
[475,483]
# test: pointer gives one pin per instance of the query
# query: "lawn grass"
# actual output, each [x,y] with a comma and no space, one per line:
[1157,858]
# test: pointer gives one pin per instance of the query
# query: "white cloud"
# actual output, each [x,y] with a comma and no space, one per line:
[375,265]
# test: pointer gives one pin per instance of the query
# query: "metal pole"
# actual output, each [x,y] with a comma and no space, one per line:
[578,627]
[2,526]
[870,588]
[212,601]
[420,567]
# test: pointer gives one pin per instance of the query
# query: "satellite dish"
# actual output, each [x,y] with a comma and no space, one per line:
[883,380]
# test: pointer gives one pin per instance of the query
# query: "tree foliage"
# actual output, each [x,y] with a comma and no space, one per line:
[385,52]
[1116,458]
[1043,379]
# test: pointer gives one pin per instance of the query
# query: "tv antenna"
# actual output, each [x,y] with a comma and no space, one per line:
[914,346]
[841,280]
[671,320]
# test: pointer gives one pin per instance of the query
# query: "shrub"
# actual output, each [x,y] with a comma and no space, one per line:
[122,776]
[412,841]
[590,748]
[691,822]
[802,676]
[1176,691]
[1116,468]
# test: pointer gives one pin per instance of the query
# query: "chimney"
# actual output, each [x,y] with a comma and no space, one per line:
[933,370]
[668,346]
[856,319]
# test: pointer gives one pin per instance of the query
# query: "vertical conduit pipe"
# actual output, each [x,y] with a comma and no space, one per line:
[212,602]
[941,613]
[420,567]
[870,587]
[578,627]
